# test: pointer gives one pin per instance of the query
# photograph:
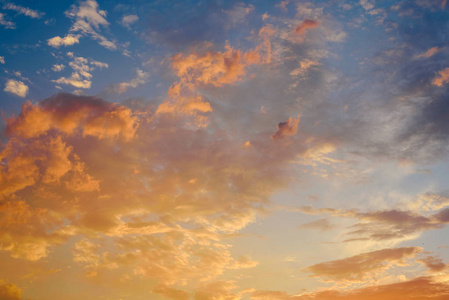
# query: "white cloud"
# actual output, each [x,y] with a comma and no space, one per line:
[16,87]
[58,68]
[122,87]
[2,60]
[128,20]
[81,76]
[68,40]
[5,23]
[87,20]
[24,10]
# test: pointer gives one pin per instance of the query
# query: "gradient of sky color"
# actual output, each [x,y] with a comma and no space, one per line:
[224,150]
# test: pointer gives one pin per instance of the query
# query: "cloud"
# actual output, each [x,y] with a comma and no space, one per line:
[434,264]
[58,67]
[24,10]
[68,40]
[287,128]
[358,268]
[16,87]
[81,76]
[120,88]
[9,291]
[421,288]
[87,19]
[441,78]
[128,20]
[305,26]
[7,24]
[429,53]
[392,225]
[322,224]
[68,114]
[214,68]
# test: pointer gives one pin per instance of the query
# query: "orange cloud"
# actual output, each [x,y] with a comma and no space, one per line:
[434,264]
[214,68]
[442,77]
[429,53]
[9,291]
[69,113]
[357,268]
[422,288]
[322,224]
[305,26]
[287,128]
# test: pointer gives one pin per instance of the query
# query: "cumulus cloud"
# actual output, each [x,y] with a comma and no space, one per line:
[16,87]
[68,40]
[187,189]
[58,67]
[441,78]
[215,68]
[9,291]
[81,76]
[358,268]
[128,20]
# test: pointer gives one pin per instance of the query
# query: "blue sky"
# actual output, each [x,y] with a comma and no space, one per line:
[224,149]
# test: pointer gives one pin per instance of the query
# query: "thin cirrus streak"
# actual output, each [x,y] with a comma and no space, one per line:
[229,150]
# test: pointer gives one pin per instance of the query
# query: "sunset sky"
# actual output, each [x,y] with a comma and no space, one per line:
[224,150]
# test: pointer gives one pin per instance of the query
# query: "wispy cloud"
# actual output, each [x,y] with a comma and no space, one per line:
[87,19]
[24,10]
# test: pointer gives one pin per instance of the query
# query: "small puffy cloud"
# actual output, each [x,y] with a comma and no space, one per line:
[58,67]
[441,78]
[24,10]
[9,291]
[305,26]
[128,20]
[2,60]
[81,75]
[366,4]
[16,87]
[357,268]
[287,128]
[68,40]
[7,24]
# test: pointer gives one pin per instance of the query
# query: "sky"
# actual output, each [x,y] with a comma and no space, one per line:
[224,150]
